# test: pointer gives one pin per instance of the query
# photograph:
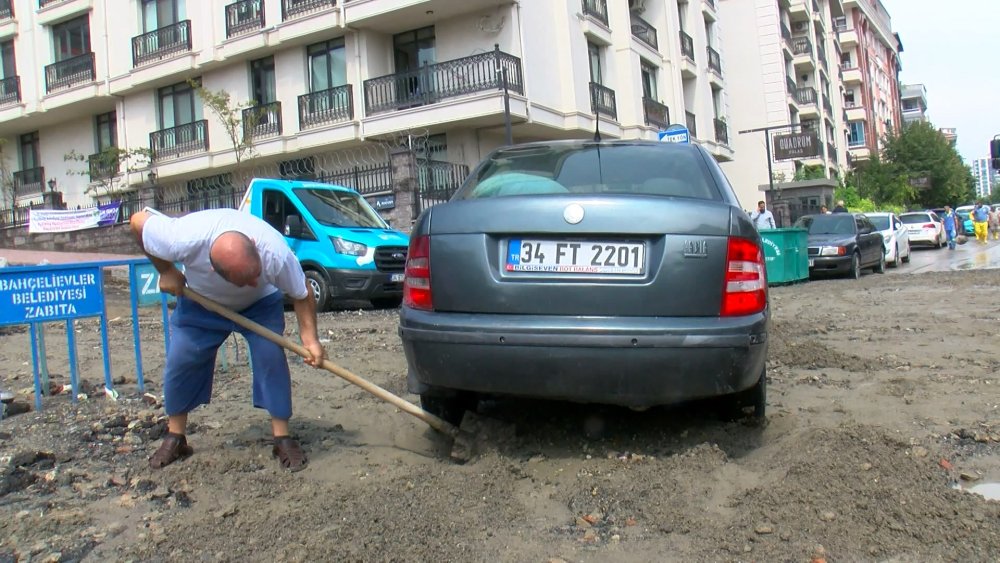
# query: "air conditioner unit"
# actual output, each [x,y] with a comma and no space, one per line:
[800,26]
[638,6]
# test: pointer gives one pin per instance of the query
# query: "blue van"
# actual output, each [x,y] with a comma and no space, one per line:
[345,247]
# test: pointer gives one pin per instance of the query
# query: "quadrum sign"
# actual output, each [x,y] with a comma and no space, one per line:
[796,145]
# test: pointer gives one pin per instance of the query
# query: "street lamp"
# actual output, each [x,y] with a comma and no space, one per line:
[52,184]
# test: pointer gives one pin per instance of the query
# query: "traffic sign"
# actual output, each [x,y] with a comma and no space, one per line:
[675,134]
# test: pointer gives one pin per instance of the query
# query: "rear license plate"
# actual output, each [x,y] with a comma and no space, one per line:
[584,257]
[396,277]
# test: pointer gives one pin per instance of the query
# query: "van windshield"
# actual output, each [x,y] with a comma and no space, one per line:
[335,208]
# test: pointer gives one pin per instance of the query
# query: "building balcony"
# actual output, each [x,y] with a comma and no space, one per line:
[29,182]
[161,43]
[644,31]
[333,105]
[691,120]
[851,74]
[656,114]
[798,11]
[786,35]
[243,17]
[291,9]
[180,140]
[855,111]
[831,151]
[827,105]
[103,166]
[70,72]
[805,96]
[714,61]
[721,131]
[602,101]
[709,9]
[821,55]
[597,9]
[687,46]
[432,83]
[848,38]
[10,91]
[790,86]
[263,121]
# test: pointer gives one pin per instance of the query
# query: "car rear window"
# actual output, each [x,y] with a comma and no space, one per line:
[833,224]
[913,219]
[593,168]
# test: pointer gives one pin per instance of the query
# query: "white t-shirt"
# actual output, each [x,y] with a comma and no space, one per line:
[762,219]
[188,240]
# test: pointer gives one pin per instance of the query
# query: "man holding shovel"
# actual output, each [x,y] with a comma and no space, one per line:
[241,262]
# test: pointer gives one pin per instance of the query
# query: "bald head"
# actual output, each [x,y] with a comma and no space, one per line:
[234,257]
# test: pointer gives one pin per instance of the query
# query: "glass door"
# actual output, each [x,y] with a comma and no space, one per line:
[413,52]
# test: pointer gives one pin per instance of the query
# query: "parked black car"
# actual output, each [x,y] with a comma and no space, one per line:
[843,244]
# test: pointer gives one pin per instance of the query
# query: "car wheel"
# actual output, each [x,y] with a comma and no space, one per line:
[320,289]
[906,259]
[880,267]
[448,405]
[387,302]
[738,405]
[855,272]
[895,261]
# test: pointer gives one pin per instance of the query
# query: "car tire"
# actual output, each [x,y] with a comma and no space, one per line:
[738,405]
[906,259]
[387,302]
[449,405]
[855,272]
[320,289]
[880,267]
[895,263]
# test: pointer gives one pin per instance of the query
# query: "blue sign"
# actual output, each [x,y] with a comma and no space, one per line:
[147,285]
[675,134]
[30,295]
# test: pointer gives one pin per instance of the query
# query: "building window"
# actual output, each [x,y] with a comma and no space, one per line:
[648,81]
[7,63]
[262,81]
[177,106]
[71,39]
[29,151]
[161,13]
[849,100]
[414,49]
[594,54]
[327,65]
[106,127]
[856,134]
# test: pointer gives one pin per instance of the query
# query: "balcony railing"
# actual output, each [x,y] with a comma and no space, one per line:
[687,46]
[721,131]
[29,182]
[70,72]
[831,150]
[44,3]
[644,31]
[102,166]
[326,106]
[6,10]
[297,8]
[805,96]
[714,61]
[786,33]
[262,121]
[602,100]
[10,90]
[245,16]
[810,125]
[159,43]
[821,53]
[815,7]
[692,123]
[826,104]
[790,85]
[657,114]
[839,26]
[426,85]
[182,139]
[802,46]
[597,9]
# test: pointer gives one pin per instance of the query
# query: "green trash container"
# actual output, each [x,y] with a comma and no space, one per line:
[786,253]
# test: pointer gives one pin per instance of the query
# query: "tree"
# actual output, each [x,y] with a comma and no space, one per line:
[809,172]
[883,183]
[921,155]
[105,169]
[236,121]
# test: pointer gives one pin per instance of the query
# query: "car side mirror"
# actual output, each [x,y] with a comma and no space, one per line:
[293,226]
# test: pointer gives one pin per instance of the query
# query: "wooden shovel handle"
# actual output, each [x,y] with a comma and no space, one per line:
[435,422]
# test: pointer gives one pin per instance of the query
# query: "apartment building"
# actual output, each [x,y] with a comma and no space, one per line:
[913,103]
[870,62]
[984,176]
[783,62]
[328,78]
[950,135]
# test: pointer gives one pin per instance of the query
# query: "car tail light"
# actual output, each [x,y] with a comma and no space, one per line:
[417,283]
[930,226]
[746,280]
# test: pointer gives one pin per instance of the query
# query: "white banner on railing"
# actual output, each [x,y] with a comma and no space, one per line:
[61,221]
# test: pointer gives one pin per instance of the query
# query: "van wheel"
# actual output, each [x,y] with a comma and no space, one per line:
[387,302]
[738,405]
[320,289]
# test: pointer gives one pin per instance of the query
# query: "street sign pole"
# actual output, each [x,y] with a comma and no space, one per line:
[767,144]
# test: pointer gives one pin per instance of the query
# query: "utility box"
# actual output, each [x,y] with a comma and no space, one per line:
[786,255]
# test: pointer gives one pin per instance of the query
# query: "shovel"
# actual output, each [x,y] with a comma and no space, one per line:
[464,445]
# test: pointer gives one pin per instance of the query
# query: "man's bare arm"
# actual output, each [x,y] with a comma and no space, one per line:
[172,280]
[305,312]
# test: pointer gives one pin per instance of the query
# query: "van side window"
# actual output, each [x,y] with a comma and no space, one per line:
[277,207]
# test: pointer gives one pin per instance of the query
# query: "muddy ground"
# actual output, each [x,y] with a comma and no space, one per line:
[883,398]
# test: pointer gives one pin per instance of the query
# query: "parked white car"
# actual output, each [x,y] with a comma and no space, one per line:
[894,235]
[925,227]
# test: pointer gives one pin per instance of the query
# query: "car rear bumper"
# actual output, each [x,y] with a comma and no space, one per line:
[621,361]
[830,264]
[363,284]
[921,237]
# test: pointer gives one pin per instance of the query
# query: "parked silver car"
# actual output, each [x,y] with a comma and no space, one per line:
[620,272]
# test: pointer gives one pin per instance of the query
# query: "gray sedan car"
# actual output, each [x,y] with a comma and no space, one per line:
[620,272]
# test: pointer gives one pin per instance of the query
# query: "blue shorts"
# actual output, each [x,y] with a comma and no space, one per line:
[195,336]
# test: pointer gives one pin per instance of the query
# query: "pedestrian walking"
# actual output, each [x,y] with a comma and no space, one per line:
[761,217]
[980,221]
[994,223]
[951,222]
[243,263]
